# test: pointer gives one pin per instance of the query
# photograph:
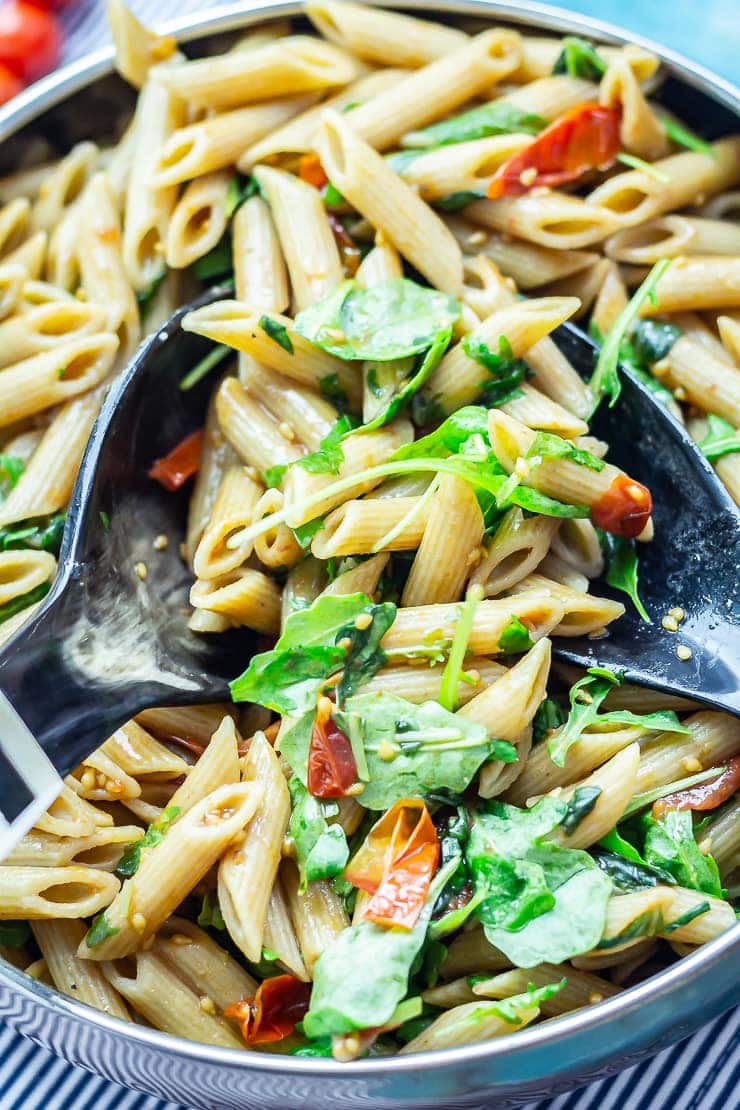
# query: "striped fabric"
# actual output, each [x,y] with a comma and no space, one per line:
[701,1074]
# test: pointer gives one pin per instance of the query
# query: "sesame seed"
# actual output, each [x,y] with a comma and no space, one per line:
[679,393]
[363,621]
[476,238]
[473,676]
[584,696]
[138,922]
[355,789]
[595,997]
[345,643]
[387,751]
[141,570]
[528,176]
[87,780]
[160,542]
[287,431]
[670,624]
[521,468]
[684,652]
[179,940]
[207,1005]
[691,764]
[677,612]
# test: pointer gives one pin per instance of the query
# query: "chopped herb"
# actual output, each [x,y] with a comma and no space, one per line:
[210,916]
[452,673]
[653,339]
[605,379]
[216,263]
[331,197]
[515,637]
[506,372]
[104,520]
[131,859]
[684,137]
[41,534]
[622,568]
[450,437]
[278,332]
[579,58]
[636,163]
[579,806]
[18,604]
[240,189]
[400,385]
[274,475]
[330,388]
[11,469]
[314,1049]
[14,934]
[670,845]
[99,931]
[494,118]
[548,446]
[721,438]
[548,717]
[305,533]
[686,918]
[204,367]
[329,455]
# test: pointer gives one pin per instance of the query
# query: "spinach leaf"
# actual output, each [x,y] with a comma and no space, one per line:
[99,930]
[287,681]
[278,332]
[627,875]
[330,388]
[605,381]
[390,320]
[11,469]
[205,365]
[541,902]
[321,849]
[494,118]
[506,372]
[40,533]
[18,604]
[320,1048]
[361,977]
[361,639]
[686,918]
[686,138]
[216,263]
[548,717]
[548,446]
[210,916]
[620,556]
[579,806]
[647,924]
[515,637]
[579,58]
[131,859]
[14,934]
[396,386]
[653,339]
[721,438]
[670,846]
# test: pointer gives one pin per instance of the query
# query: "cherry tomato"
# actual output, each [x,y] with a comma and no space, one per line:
[182,463]
[273,1012]
[331,765]
[9,84]
[29,39]
[54,5]
[707,795]
[624,508]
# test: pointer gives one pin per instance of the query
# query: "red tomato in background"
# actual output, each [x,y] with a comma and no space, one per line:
[30,39]
[9,84]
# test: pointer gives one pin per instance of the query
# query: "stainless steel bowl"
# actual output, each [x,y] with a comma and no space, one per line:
[540,1061]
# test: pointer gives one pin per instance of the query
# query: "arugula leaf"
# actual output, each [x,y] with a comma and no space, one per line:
[205,365]
[364,654]
[390,320]
[304,533]
[653,339]
[360,978]
[641,801]
[721,438]
[288,678]
[670,846]
[320,1048]
[453,667]
[515,637]
[131,859]
[684,137]
[579,58]
[18,604]
[321,849]
[548,446]
[14,934]
[636,163]
[542,902]
[42,533]
[273,476]
[11,469]
[398,387]
[549,716]
[218,262]
[331,196]
[622,568]
[210,916]
[99,931]
[330,388]
[409,750]
[605,380]
[579,806]
[240,189]
[506,372]
[449,437]
[329,456]
[494,118]
[278,332]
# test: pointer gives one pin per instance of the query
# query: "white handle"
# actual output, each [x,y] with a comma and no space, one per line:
[28,782]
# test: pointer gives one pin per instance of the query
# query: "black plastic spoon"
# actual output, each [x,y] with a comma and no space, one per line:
[106,643]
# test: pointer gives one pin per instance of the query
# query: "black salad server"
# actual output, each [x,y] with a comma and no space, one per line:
[106,642]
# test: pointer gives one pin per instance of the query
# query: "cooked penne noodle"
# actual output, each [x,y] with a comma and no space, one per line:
[695,283]
[616,780]
[278,547]
[708,382]
[671,236]
[259,267]
[318,914]
[63,185]
[364,527]
[12,280]
[69,815]
[581,988]
[713,738]
[299,410]
[216,456]
[279,934]
[585,285]
[137,48]
[556,220]
[245,596]
[386,38]
[475,1021]
[449,545]
[517,547]
[55,376]
[705,926]
[582,612]
[46,328]
[418,684]
[507,706]
[54,892]
[217,767]
[462,167]
[528,264]
[722,838]
[80,979]
[251,430]
[727,467]
[611,298]
[233,509]
[198,220]
[202,964]
[640,131]
[101,849]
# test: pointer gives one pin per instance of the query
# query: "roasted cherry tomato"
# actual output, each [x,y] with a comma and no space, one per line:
[30,39]
[272,1014]
[624,509]
[311,171]
[331,765]
[9,84]
[586,138]
[183,461]
[707,795]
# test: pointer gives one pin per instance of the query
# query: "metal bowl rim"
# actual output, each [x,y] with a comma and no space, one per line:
[50,91]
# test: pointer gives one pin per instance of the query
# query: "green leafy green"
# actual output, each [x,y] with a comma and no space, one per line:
[684,137]
[320,1048]
[218,262]
[331,196]
[579,806]
[670,846]
[721,438]
[145,296]
[541,902]
[494,118]
[390,320]
[321,849]
[99,930]
[210,916]
[641,801]
[360,978]
[14,934]
[652,340]
[40,533]
[545,445]
[240,189]
[452,673]
[205,365]
[131,858]
[453,202]
[329,456]
[11,469]
[330,388]
[506,373]
[549,716]
[288,678]
[18,604]
[626,874]
[686,918]
[636,163]
[449,437]
[579,58]
[647,924]
[621,560]
[605,380]
[515,637]
[395,386]
[278,332]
